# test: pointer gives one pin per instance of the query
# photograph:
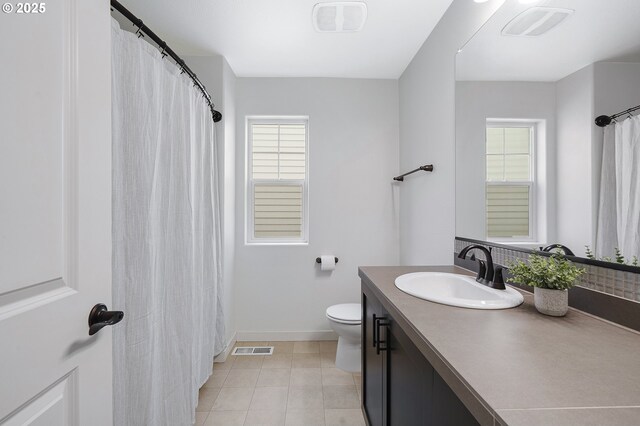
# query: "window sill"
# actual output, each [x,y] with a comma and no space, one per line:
[517,243]
[254,243]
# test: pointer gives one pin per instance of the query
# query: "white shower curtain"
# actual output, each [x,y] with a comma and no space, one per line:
[619,212]
[166,237]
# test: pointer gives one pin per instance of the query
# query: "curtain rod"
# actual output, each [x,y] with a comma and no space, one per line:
[605,120]
[167,51]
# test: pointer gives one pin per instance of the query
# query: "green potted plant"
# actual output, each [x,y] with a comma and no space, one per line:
[551,276]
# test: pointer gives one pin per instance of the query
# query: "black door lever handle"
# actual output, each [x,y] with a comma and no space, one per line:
[100,317]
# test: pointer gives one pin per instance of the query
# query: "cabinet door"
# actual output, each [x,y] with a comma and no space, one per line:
[448,410]
[410,379]
[400,387]
[372,363]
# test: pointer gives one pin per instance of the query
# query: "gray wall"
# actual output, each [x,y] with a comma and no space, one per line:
[574,156]
[427,135]
[477,101]
[603,88]
[353,154]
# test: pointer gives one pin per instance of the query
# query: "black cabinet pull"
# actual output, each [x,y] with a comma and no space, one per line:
[380,322]
[375,330]
[100,317]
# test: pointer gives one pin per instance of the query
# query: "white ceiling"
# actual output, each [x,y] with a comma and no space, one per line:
[275,38]
[598,30]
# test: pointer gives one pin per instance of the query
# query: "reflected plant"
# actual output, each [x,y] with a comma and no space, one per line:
[618,257]
[589,253]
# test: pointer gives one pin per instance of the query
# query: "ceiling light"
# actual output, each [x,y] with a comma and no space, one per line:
[528,1]
[480,1]
[339,17]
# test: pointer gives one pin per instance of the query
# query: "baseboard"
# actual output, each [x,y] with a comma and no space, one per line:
[285,336]
[222,356]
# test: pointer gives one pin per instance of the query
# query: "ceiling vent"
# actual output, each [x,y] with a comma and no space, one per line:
[339,17]
[536,21]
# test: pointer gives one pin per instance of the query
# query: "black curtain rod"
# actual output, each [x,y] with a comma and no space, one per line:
[605,120]
[425,168]
[167,51]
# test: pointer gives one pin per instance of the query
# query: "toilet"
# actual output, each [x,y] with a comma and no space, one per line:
[346,319]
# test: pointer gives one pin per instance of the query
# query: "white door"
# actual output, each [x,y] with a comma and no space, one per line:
[55,212]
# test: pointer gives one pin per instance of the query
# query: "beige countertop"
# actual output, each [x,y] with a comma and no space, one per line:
[517,366]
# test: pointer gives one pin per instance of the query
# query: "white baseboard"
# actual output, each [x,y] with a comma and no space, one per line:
[285,336]
[222,356]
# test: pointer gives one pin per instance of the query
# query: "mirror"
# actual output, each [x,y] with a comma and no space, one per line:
[530,161]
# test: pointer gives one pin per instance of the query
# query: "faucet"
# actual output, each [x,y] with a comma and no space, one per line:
[487,275]
[564,249]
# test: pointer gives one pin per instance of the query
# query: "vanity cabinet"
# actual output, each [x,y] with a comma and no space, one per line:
[373,362]
[400,387]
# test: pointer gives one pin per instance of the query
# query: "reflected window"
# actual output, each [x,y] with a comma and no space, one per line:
[510,181]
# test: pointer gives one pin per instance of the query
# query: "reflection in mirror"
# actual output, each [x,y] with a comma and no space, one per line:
[532,167]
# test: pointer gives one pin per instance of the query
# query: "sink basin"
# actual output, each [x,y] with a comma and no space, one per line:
[457,290]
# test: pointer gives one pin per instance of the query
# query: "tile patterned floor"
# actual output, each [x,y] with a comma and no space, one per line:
[298,385]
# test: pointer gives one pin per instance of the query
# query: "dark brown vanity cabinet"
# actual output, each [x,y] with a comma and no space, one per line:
[373,362]
[400,387]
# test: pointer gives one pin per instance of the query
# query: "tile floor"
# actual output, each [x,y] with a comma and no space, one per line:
[298,385]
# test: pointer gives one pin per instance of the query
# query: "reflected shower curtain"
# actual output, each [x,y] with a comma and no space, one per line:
[619,210]
[166,237]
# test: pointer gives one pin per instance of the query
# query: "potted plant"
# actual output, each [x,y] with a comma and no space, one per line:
[551,276]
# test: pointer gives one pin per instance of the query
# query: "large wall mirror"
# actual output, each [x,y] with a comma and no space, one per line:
[532,167]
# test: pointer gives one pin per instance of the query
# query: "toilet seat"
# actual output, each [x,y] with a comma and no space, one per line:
[346,313]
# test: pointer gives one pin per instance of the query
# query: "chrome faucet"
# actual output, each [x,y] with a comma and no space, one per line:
[487,275]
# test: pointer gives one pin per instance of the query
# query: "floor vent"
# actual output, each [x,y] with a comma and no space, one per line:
[253,350]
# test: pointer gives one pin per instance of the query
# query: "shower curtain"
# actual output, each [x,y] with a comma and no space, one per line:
[619,210]
[166,237]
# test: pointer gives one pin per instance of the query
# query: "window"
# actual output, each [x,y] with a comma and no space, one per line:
[510,181]
[277,184]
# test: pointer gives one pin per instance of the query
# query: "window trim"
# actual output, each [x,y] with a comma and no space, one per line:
[250,183]
[532,182]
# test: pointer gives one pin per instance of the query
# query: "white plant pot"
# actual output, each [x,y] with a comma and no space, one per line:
[551,302]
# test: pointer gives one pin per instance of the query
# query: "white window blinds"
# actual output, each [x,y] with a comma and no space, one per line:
[277,181]
[279,151]
[509,176]
[277,211]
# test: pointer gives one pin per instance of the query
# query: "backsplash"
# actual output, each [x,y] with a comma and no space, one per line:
[589,294]
[606,280]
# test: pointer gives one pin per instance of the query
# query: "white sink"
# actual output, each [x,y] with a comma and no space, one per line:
[457,290]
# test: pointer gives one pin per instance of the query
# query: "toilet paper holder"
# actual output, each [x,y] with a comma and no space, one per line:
[320,261]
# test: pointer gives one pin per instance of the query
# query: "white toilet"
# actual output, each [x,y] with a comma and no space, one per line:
[346,320]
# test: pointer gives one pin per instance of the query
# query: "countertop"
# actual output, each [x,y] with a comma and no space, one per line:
[519,367]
